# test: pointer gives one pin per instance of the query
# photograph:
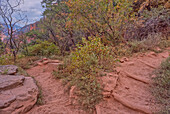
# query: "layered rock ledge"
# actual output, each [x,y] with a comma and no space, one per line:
[8,69]
[18,94]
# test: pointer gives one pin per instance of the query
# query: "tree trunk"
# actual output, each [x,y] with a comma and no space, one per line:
[11,44]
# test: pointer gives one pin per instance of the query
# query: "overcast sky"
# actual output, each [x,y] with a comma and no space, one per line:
[31,8]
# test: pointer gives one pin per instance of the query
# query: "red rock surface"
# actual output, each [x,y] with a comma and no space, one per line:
[130,93]
[8,69]
[126,91]
[18,94]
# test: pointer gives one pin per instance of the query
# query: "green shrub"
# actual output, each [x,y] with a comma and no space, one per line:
[43,48]
[6,59]
[91,55]
[151,43]
[105,18]
[82,69]
[161,88]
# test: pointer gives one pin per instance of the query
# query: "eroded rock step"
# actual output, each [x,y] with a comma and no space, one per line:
[130,93]
[18,94]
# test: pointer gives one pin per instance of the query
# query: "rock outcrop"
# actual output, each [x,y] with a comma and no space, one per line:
[8,69]
[18,93]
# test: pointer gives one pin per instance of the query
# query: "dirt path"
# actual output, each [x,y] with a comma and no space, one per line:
[129,92]
[55,98]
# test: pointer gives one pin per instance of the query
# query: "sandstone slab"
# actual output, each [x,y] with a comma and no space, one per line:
[18,94]
[9,82]
[8,69]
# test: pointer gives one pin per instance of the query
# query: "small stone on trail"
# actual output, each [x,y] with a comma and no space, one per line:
[153,76]
[45,62]
[107,94]
[126,87]
[54,61]
[158,49]
[152,53]
[142,55]
[124,60]
[40,64]
[44,59]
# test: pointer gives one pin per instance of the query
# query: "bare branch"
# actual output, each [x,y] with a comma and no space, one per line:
[8,13]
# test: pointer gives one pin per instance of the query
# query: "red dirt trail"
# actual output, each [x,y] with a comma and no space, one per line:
[127,91]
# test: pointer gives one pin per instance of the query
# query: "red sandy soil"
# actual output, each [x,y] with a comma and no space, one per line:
[55,99]
[127,90]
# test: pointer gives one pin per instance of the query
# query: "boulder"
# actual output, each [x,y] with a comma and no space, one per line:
[8,69]
[18,94]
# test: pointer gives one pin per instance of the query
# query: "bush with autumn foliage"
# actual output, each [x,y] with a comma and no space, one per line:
[96,32]
[105,18]
[82,69]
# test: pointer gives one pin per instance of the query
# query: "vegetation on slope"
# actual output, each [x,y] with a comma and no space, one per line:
[82,69]
[161,88]
[94,33]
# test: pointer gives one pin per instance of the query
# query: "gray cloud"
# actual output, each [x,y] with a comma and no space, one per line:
[33,10]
